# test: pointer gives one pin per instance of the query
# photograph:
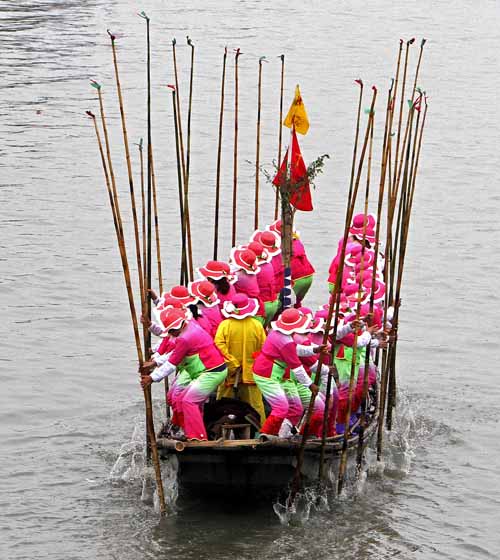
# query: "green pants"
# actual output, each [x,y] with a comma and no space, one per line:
[301,287]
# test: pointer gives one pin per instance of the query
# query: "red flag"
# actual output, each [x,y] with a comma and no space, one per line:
[301,196]
[280,176]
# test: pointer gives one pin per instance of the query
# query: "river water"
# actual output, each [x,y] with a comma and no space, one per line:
[70,408]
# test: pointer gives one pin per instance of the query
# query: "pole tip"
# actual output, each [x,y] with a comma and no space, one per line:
[111,36]
[422,43]
[95,85]
[359,81]
[225,50]
[411,41]
[174,41]
[171,86]
[189,42]
[143,15]
[374,88]
[401,42]
[282,56]
[90,114]
[238,52]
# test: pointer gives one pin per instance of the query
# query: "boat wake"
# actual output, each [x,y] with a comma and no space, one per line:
[132,468]
[398,453]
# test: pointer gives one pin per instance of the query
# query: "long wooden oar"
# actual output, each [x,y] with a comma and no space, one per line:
[257,155]
[338,283]
[235,148]
[334,304]
[219,155]
[352,378]
[280,131]
[129,165]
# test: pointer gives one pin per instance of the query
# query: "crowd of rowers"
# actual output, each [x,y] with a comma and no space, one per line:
[224,334]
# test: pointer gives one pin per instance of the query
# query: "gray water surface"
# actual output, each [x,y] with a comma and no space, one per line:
[70,403]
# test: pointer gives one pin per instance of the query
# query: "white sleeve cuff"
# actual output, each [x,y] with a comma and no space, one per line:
[344,330]
[160,359]
[304,351]
[164,371]
[364,339]
[302,377]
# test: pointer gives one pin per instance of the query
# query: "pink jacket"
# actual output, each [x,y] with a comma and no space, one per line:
[279,272]
[195,342]
[300,265]
[278,346]
[224,297]
[265,279]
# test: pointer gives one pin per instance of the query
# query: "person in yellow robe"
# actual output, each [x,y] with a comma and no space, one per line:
[239,338]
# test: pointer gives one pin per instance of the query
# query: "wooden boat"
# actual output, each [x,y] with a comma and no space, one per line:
[256,467]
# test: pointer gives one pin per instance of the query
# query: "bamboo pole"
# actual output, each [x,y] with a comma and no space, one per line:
[235,148]
[334,305]
[188,162]
[219,154]
[338,280]
[280,131]
[143,230]
[186,222]
[383,175]
[129,165]
[157,225]
[347,427]
[147,280]
[183,273]
[126,272]
[257,155]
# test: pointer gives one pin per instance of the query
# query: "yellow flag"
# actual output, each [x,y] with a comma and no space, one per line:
[297,114]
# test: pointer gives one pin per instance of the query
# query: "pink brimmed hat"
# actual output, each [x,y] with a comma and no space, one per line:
[240,307]
[215,270]
[358,223]
[172,318]
[291,321]
[379,292]
[245,259]
[352,252]
[166,302]
[368,259]
[271,241]
[261,254]
[204,291]
[179,294]
[275,226]
[317,323]
[307,311]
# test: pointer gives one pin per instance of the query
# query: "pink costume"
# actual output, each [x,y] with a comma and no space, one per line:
[196,353]
[300,265]
[249,285]
[213,317]
[278,353]
[265,279]
[279,272]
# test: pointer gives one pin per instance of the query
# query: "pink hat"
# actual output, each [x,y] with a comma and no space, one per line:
[358,223]
[368,259]
[317,324]
[307,311]
[379,290]
[240,307]
[260,252]
[275,226]
[204,292]
[271,241]
[167,302]
[352,252]
[172,318]
[245,259]
[179,294]
[291,321]
[215,270]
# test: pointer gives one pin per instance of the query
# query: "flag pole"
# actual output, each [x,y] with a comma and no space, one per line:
[235,149]
[219,154]
[280,131]
[257,156]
